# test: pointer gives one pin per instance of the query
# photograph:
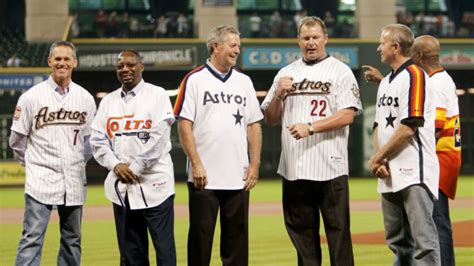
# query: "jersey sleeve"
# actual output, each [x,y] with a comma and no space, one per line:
[22,117]
[91,111]
[166,112]
[185,105]
[268,99]
[348,94]
[98,122]
[441,104]
[412,98]
[377,112]
[255,114]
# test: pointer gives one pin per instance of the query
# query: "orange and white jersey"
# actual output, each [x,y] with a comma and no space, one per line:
[448,128]
[406,97]
[134,128]
[221,109]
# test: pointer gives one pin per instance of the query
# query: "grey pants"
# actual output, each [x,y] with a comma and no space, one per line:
[410,231]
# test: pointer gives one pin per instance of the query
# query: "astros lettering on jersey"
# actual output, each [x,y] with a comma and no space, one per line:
[448,146]
[318,91]
[407,97]
[55,126]
[221,108]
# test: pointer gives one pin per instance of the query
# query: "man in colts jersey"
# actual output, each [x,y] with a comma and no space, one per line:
[50,136]
[131,138]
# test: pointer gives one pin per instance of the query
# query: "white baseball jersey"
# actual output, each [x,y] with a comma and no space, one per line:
[220,109]
[406,97]
[56,126]
[136,131]
[448,146]
[318,91]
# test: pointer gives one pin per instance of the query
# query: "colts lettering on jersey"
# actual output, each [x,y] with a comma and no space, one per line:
[224,98]
[311,87]
[126,124]
[388,101]
[60,117]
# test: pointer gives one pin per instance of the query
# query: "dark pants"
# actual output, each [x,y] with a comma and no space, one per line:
[303,200]
[445,233]
[203,208]
[132,227]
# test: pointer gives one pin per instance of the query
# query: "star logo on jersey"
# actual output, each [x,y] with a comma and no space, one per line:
[238,117]
[390,120]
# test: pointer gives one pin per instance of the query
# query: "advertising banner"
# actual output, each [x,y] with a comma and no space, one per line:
[162,58]
[278,57]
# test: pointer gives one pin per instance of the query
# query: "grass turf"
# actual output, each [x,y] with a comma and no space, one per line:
[265,191]
[269,243]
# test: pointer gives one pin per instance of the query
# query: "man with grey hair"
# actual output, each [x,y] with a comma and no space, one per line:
[219,129]
[404,157]
[50,137]
[315,99]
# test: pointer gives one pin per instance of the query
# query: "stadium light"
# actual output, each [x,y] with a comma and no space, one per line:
[470,90]
[460,92]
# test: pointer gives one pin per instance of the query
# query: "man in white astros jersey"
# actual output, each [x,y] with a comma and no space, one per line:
[131,138]
[219,129]
[425,54]
[405,157]
[50,137]
[315,99]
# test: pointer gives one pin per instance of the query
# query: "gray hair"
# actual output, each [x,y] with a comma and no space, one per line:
[401,34]
[311,21]
[217,35]
[62,43]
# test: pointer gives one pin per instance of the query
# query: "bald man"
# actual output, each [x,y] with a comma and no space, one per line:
[425,53]
[131,138]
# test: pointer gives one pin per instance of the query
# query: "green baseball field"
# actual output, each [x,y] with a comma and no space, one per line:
[269,242]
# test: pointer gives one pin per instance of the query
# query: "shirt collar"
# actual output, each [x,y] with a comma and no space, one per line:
[219,75]
[208,62]
[399,70]
[56,87]
[133,92]
[314,62]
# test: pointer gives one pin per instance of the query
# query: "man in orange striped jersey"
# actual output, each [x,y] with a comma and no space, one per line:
[405,157]
[448,135]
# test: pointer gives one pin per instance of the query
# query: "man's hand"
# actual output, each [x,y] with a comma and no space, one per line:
[372,74]
[379,167]
[123,172]
[199,176]
[284,86]
[299,131]
[383,171]
[251,176]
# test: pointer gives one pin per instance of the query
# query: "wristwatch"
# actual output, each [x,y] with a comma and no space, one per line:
[310,128]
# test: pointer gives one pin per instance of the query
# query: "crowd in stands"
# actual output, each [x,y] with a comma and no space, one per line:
[439,25]
[16,52]
[114,25]
[178,25]
[276,25]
